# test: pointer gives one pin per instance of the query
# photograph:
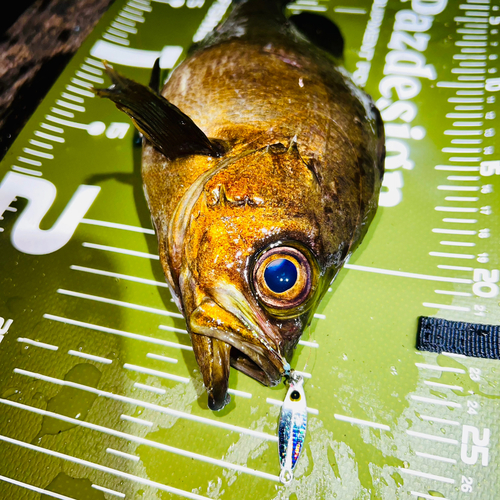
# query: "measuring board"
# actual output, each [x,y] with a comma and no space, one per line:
[100,394]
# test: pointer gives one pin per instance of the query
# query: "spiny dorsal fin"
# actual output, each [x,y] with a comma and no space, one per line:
[154,81]
[163,124]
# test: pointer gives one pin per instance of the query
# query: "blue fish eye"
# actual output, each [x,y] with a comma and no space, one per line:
[280,275]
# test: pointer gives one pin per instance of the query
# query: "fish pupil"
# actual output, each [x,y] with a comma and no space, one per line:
[280,275]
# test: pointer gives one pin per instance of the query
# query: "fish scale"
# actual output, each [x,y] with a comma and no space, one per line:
[384,420]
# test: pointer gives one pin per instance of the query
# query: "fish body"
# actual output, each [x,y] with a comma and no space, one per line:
[292,428]
[262,165]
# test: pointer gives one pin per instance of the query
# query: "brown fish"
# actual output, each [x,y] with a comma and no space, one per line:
[262,165]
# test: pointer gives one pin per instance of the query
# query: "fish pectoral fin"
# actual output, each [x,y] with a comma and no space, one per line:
[321,31]
[169,130]
[213,357]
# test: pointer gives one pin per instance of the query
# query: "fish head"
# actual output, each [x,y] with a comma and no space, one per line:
[248,254]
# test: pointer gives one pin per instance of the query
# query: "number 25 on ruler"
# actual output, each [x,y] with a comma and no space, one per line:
[478,445]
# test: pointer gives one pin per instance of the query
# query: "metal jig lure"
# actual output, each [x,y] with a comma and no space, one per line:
[292,427]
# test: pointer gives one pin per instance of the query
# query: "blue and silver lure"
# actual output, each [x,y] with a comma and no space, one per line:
[292,427]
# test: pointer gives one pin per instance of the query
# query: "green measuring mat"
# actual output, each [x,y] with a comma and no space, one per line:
[100,394]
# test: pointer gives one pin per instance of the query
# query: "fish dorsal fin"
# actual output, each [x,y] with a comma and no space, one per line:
[154,81]
[169,130]
[321,31]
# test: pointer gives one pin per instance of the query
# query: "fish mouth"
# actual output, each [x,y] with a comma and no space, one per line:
[225,333]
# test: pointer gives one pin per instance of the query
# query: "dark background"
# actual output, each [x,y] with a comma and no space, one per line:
[37,39]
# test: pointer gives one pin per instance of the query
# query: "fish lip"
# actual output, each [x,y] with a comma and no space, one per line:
[261,359]
[261,369]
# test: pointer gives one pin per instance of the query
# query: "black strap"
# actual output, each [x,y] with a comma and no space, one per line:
[458,337]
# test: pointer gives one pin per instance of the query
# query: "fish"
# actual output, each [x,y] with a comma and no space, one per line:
[261,164]
[292,428]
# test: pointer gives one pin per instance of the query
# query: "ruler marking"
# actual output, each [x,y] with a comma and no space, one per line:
[83,84]
[158,357]
[90,78]
[457,243]
[426,475]
[358,421]
[35,343]
[434,401]
[407,275]
[72,97]
[114,31]
[156,373]
[70,105]
[122,454]
[61,112]
[463,132]
[119,303]
[124,27]
[276,402]
[52,128]
[454,231]
[426,496]
[49,137]
[107,490]
[455,268]
[78,91]
[463,178]
[432,437]
[129,8]
[308,344]
[473,7]
[449,292]
[466,141]
[463,158]
[173,329]
[126,277]
[445,306]
[460,221]
[40,154]
[91,70]
[34,488]
[115,39]
[135,420]
[30,161]
[150,388]
[91,357]
[120,250]
[125,21]
[41,144]
[452,255]
[94,62]
[440,420]
[456,209]
[458,188]
[242,394]
[439,368]
[115,225]
[444,386]
[120,333]
[462,198]
[131,17]
[135,5]
[28,171]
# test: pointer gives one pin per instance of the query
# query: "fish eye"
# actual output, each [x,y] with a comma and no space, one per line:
[280,275]
[283,279]
[295,396]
